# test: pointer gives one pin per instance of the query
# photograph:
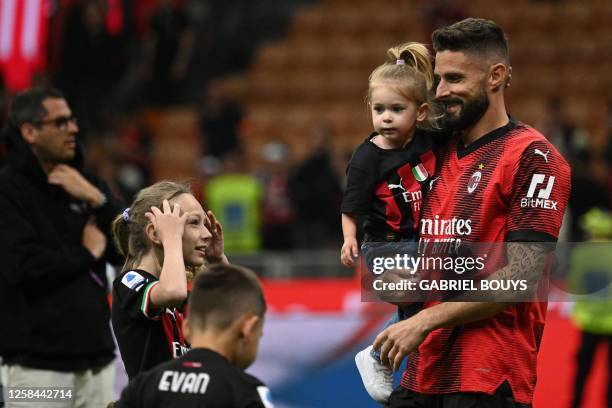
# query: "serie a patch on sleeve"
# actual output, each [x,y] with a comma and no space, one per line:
[132,279]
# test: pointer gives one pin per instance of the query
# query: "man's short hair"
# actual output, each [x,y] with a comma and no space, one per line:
[473,35]
[27,106]
[223,293]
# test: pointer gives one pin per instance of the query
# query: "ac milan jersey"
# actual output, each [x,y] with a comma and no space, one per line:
[146,336]
[200,378]
[509,185]
[384,185]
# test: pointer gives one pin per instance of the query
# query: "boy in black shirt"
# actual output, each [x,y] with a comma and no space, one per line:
[224,324]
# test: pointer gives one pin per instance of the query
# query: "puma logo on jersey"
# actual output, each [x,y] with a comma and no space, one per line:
[541,153]
[392,186]
[432,181]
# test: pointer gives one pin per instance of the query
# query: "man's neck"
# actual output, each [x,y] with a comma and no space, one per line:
[494,118]
[45,165]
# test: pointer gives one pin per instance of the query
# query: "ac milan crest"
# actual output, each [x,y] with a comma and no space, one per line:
[474,180]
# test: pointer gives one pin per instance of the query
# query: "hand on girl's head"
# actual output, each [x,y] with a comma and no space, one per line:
[168,223]
[212,224]
[207,220]
[216,248]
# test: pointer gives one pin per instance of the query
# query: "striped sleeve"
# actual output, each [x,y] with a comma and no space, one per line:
[132,293]
[541,189]
[145,305]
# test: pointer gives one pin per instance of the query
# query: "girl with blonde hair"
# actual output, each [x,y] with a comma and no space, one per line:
[166,237]
[386,176]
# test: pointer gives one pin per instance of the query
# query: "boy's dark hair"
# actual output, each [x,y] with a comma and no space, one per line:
[222,294]
[473,35]
[27,106]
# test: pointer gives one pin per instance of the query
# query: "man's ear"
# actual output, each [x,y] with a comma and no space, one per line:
[151,234]
[498,77]
[186,329]
[28,132]
[248,327]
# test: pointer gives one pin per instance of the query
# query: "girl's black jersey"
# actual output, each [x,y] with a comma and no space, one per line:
[384,185]
[200,378]
[146,336]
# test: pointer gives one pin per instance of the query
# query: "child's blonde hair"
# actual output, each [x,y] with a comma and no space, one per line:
[410,71]
[129,227]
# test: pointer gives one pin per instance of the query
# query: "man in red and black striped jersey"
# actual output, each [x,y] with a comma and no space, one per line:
[497,180]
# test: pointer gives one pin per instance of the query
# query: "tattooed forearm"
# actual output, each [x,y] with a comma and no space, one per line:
[526,260]
[526,263]
[518,281]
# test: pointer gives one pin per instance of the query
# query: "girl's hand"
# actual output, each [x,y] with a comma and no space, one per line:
[215,250]
[168,224]
[349,252]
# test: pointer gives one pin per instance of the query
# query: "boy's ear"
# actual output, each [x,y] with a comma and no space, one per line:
[248,328]
[150,231]
[186,329]
[422,112]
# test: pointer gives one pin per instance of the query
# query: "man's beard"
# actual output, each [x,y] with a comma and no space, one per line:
[471,111]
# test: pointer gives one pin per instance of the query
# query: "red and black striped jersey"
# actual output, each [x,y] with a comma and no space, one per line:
[146,336]
[509,185]
[384,185]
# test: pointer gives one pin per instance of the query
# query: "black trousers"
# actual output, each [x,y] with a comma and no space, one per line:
[404,398]
[584,360]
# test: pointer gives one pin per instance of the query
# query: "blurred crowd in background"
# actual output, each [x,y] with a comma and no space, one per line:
[259,105]
[123,63]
